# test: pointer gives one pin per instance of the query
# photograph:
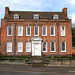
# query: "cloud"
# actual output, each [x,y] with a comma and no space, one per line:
[73,17]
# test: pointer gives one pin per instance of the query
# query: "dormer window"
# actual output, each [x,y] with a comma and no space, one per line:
[36,16]
[16,16]
[55,16]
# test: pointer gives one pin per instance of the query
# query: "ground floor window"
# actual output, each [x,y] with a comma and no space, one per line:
[9,46]
[44,46]
[63,46]
[52,46]
[20,46]
[28,46]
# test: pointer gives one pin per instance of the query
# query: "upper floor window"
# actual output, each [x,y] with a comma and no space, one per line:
[9,31]
[55,16]
[36,16]
[44,46]
[52,46]
[20,30]
[36,30]
[20,46]
[52,30]
[9,46]
[62,30]
[16,16]
[28,30]
[28,46]
[63,46]
[44,30]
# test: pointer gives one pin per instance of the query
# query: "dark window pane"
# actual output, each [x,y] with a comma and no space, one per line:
[52,30]
[63,46]
[52,46]
[28,30]
[36,30]
[44,46]
[44,30]
[9,30]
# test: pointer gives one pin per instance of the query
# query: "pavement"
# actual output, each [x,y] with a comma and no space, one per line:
[22,68]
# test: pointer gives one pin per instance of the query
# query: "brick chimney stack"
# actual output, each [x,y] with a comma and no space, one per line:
[6,11]
[65,11]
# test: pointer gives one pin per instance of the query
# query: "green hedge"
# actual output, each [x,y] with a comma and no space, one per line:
[14,57]
[59,58]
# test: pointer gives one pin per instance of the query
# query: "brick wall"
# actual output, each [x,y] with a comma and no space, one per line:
[24,38]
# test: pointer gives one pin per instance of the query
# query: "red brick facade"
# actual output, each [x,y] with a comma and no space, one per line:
[40,22]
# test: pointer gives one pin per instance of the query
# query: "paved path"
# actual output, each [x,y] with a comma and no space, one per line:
[37,69]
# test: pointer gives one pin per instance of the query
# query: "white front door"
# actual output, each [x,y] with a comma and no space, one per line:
[37,49]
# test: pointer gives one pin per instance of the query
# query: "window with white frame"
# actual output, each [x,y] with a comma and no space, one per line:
[44,46]
[28,46]
[28,30]
[20,30]
[52,46]
[55,16]
[16,16]
[63,46]
[36,16]
[62,30]
[9,46]
[9,30]
[44,30]
[20,46]
[52,30]
[36,30]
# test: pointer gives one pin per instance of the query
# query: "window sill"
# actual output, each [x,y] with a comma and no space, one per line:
[53,51]
[36,35]
[28,35]
[52,35]
[63,51]
[27,52]
[9,35]
[44,35]
[19,35]
[44,51]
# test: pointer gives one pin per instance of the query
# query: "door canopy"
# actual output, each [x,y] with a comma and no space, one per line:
[36,39]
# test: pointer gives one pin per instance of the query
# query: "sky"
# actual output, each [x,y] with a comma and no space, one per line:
[38,5]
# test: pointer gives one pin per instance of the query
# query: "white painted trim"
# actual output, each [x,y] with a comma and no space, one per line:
[34,31]
[18,30]
[42,31]
[61,46]
[26,46]
[7,31]
[30,31]
[64,31]
[54,47]
[46,47]
[55,17]
[22,47]
[7,47]
[53,31]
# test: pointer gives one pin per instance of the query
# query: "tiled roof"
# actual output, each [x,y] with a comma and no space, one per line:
[30,14]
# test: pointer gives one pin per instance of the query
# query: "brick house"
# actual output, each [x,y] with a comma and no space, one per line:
[36,33]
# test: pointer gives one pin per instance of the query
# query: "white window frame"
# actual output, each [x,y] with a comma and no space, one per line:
[18,47]
[36,16]
[55,16]
[65,47]
[42,47]
[19,31]
[26,31]
[16,16]
[26,46]
[8,46]
[64,31]
[53,31]
[54,47]
[34,30]
[8,30]
[42,31]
